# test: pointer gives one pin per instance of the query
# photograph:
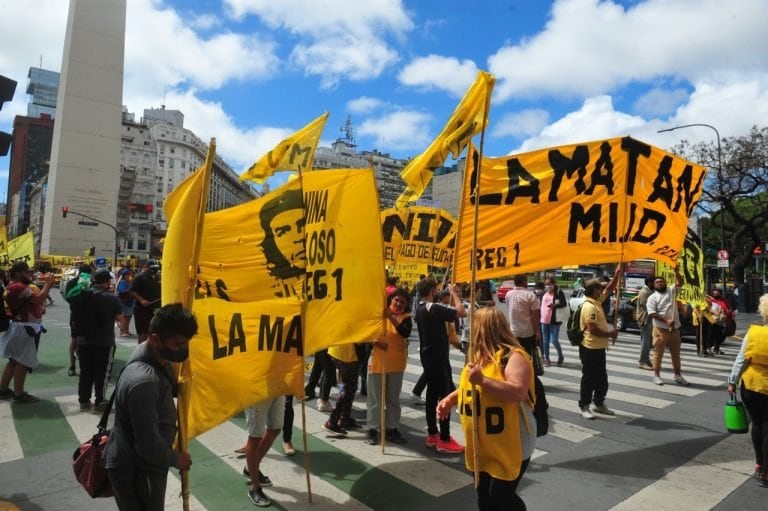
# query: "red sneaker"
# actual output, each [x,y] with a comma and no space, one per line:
[432,440]
[449,447]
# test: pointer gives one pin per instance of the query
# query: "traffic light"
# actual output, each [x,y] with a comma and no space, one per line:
[64,211]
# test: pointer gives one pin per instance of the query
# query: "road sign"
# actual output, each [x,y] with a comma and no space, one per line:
[86,222]
[722,255]
[722,263]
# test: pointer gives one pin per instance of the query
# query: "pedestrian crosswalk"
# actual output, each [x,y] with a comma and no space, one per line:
[348,473]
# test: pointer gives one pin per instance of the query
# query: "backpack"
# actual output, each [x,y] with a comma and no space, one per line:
[82,310]
[573,327]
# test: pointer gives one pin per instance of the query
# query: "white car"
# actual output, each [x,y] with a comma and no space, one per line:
[577,297]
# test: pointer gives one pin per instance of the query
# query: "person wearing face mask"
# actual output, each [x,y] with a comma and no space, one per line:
[145,289]
[552,299]
[662,309]
[721,310]
[140,450]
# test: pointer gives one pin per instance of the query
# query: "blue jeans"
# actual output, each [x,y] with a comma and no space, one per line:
[549,334]
[646,340]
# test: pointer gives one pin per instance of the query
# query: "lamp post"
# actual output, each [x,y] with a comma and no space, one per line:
[66,210]
[719,170]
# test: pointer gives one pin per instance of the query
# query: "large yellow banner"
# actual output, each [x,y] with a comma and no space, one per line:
[22,248]
[243,353]
[595,202]
[265,298]
[408,273]
[4,263]
[691,264]
[418,234]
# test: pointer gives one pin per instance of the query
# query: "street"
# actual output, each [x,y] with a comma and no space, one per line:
[666,448]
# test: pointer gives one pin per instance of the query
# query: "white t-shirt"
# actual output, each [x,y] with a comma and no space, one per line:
[663,304]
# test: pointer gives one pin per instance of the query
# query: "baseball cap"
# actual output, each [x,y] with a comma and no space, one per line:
[101,262]
[100,276]
[152,263]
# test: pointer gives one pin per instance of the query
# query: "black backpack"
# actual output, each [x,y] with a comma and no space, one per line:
[573,327]
[82,310]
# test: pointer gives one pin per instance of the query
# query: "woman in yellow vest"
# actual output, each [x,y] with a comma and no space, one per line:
[389,358]
[751,368]
[502,372]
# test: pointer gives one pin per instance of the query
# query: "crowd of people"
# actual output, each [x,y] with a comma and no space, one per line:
[504,359]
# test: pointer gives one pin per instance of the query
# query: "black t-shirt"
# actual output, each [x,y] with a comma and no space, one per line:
[105,307]
[433,336]
[148,288]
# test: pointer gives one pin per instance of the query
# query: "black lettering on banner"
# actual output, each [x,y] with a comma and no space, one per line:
[236,336]
[221,287]
[582,218]
[270,336]
[670,252]
[494,257]
[391,224]
[316,206]
[515,171]
[443,229]
[684,189]
[648,229]
[321,247]
[338,274]
[294,339]
[564,166]
[297,151]
[662,185]
[634,149]
[649,215]
[494,420]
[599,177]
[316,285]
[465,407]
[489,198]
[690,261]
[425,222]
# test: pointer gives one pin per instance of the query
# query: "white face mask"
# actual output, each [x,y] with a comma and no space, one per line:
[549,288]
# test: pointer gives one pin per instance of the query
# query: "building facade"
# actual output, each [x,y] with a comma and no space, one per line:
[43,87]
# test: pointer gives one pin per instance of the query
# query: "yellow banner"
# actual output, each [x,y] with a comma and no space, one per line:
[468,119]
[596,202]
[4,262]
[243,353]
[408,273]
[691,263]
[293,153]
[22,248]
[418,234]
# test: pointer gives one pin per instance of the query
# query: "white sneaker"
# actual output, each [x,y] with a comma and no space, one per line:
[602,410]
[657,380]
[586,413]
[417,400]
[681,381]
[323,406]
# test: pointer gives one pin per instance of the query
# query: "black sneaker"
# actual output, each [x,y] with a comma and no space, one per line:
[100,406]
[394,436]
[259,498]
[25,398]
[6,394]
[351,424]
[334,428]
[372,438]
[71,371]
[264,481]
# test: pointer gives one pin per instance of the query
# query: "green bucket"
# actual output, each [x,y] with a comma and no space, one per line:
[736,420]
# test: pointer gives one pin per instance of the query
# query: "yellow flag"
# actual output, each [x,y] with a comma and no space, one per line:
[4,246]
[293,153]
[691,264]
[184,209]
[610,200]
[469,119]
[268,298]
[22,248]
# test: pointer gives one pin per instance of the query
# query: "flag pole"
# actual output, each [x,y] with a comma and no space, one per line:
[306,448]
[383,417]
[476,221]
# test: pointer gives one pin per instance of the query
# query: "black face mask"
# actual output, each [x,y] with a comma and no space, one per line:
[179,355]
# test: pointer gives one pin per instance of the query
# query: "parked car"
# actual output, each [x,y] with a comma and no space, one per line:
[503,289]
[628,317]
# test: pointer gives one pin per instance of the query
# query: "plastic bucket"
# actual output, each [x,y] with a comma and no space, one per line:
[736,420]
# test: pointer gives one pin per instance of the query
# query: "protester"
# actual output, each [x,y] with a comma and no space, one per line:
[433,352]
[127,301]
[101,264]
[501,372]
[721,312]
[145,289]
[552,300]
[645,323]
[751,369]
[264,421]
[24,306]
[94,327]
[344,358]
[592,350]
[524,312]
[389,358]
[140,447]
[662,308]
[81,282]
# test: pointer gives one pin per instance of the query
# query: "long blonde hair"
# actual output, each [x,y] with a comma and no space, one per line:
[490,333]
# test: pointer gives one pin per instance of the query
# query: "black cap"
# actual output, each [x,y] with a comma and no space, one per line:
[101,276]
[152,264]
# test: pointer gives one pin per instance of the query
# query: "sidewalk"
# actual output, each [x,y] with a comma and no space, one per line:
[743,321]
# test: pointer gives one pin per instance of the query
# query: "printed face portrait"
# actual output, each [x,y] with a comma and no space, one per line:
[282,220]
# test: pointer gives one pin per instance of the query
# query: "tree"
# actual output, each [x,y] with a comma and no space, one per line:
[735,196]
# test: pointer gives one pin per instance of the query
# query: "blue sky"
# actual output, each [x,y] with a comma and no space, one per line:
[249,72]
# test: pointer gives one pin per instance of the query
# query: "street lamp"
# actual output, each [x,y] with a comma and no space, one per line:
[66,209]
[719,171]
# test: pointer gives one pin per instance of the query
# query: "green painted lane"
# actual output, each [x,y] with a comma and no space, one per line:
[42,428]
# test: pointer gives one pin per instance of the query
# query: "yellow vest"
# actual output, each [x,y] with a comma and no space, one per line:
[755,376]
[395,358]
[499,449]
[345,352]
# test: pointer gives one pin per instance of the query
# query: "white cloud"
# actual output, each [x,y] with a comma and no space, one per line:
[401,130]
[520,124]
[438,72]
[364,105]
[345,40]
[659,101]
[591,46]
